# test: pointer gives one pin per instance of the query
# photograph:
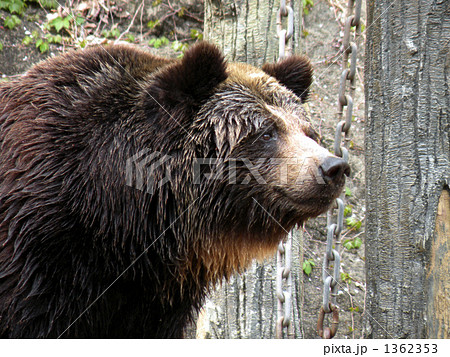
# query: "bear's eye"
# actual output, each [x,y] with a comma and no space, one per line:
[269,134]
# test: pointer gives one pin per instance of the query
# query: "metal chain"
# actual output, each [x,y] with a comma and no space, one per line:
[284,35]
[284,326]
[284,309]
[330,280]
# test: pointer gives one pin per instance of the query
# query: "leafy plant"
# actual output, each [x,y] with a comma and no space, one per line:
[1,46]
[42,45]
[179,46]
[82,43]
[158,42]
[130,38]
[308,266]
[13,6]
[353,223]
[307,5]
[196,35]
[348,192]
[48,4]
[353,243]
[346,278]
[113,33]
[347,211]
[53,38]
[79,20]
[32,17]
[152,24]
[180,13]
[60,23]
[27,40]
[12,21]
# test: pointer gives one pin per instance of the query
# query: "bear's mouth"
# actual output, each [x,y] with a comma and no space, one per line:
[308,205]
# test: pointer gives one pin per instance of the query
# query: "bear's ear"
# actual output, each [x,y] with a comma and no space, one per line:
[294,72]
[192,80]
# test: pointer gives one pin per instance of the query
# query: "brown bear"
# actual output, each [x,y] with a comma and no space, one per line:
[130,184]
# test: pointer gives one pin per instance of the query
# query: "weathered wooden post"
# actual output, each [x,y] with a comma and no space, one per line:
[408,169]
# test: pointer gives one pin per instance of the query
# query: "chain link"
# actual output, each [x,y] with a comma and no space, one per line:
[284,309]
[284,327]
[330,281]
[284,35]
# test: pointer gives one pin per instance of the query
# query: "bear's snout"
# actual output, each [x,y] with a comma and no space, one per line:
[333,169]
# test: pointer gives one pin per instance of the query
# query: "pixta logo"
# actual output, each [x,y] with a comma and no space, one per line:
[146,171]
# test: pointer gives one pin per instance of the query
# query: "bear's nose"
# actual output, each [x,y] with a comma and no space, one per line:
[333,168]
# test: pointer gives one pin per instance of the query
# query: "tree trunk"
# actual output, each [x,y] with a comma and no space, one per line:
[246,31]
[408,169]
[246,306]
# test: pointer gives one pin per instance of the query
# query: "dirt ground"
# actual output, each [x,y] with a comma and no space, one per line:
[182,21]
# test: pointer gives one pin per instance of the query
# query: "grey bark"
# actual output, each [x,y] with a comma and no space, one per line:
[246,306]
[408,163]
[246,30]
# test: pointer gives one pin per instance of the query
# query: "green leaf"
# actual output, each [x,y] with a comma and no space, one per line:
[55,39]
[12,21]
[16,6]
[348,192]
[345,277]
[4,5]
[79,20]
[44,47]
[57,23]
[164,40]
[48,4]
[179,46]
[27,40]
[60,22]
[348,244]
[115,32]
[181,12]
[347,211]
[196,35]
[357,242]
[130,38]
[307,268]
[307,5]
[1,46]
[353,223]
[152,24]
[159,42]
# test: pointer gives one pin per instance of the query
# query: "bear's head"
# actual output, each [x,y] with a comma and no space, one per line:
[255,166]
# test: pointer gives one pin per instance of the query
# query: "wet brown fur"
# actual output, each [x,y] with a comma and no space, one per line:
[82,253]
